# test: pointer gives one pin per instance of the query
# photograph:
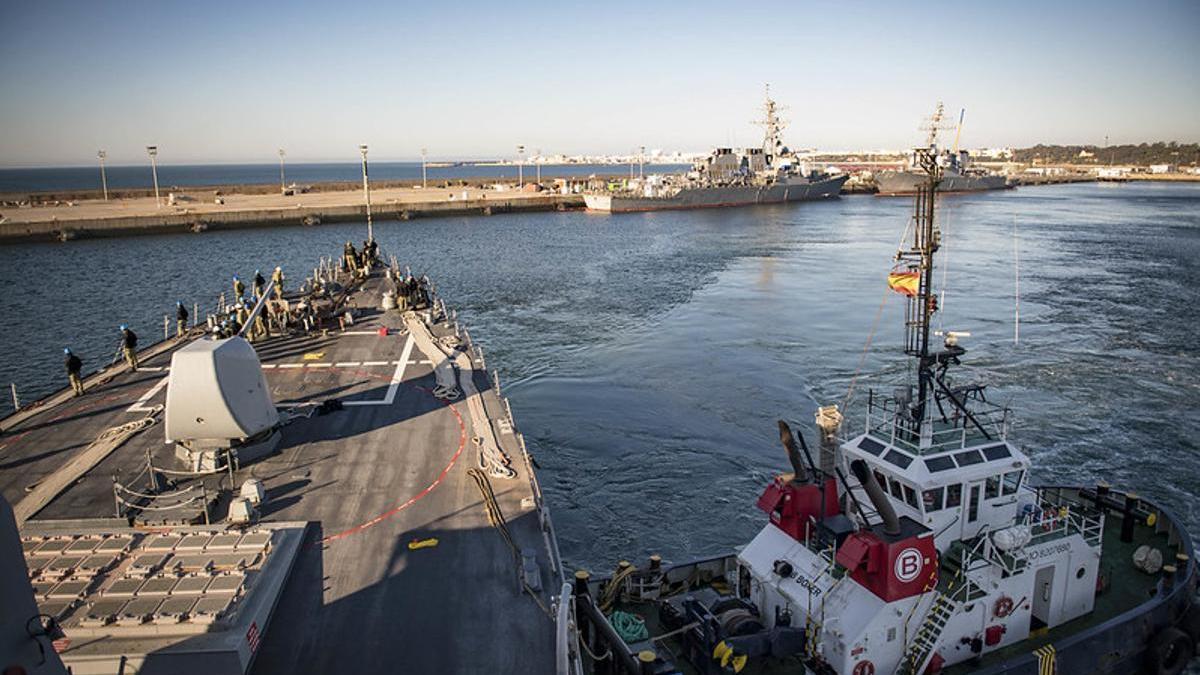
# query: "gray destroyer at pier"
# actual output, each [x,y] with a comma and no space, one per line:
[957,173]
[771,174]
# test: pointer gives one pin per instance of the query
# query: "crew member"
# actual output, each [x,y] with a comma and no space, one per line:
[259,284]
[74,367]
[350,256]
[239,289]
[181,318]
[129,346]
[277,281]
[243,314]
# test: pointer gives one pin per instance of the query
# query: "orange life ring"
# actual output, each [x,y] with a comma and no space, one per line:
[1003,606]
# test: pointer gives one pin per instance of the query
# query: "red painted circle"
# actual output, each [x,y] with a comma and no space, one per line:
[864,668]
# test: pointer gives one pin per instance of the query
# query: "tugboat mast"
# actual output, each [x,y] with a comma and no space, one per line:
[917,262]
[926,240]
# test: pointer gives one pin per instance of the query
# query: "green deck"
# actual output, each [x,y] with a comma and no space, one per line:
[1126,588]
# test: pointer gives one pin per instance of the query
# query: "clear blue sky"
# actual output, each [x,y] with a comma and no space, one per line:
[212,82]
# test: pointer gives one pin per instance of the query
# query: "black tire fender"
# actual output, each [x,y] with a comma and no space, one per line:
[1169,652]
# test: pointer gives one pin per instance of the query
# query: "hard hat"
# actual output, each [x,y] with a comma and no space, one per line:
[257,271]
[124,327]
[66,350]
[179,303]
[235,277]
[278,268]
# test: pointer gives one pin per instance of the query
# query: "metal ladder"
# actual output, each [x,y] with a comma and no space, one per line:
[921,649]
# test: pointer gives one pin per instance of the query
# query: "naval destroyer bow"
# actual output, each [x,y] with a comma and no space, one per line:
[337,486]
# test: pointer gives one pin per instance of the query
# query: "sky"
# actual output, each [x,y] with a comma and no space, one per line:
[233,82]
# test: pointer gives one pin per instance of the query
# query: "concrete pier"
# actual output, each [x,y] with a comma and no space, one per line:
[198,211]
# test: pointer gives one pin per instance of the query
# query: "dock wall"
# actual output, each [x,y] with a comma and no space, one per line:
[64,230]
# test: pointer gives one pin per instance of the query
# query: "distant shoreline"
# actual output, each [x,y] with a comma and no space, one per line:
[78,183]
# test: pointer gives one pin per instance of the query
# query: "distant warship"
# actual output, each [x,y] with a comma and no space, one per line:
[957,173]
[771,174]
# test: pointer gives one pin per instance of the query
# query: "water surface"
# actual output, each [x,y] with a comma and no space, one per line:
[647,356]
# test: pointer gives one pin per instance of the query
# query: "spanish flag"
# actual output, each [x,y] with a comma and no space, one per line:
[905,282]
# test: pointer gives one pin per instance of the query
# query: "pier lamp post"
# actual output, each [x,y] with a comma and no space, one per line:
[642,162]
[152,150]
[424,177]
[282,182]
[367,193]
[520,166]
[538,153]
[103,177]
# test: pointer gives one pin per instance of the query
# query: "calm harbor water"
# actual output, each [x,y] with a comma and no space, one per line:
[184,175]
[648,356]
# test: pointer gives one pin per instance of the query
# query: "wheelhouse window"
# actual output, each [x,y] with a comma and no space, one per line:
[992,488]
[933,499]
[1012,481]
[910,496]
[954,495]
[897,491]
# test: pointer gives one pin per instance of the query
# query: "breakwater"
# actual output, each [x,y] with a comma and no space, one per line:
[68,222]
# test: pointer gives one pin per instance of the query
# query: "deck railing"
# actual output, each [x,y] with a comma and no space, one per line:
[886,418]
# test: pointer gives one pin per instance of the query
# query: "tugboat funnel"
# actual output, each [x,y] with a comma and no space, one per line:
[793,453]
[891,524]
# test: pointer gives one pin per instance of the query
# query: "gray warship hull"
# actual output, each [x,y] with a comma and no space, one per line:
[713,197]
[906,182]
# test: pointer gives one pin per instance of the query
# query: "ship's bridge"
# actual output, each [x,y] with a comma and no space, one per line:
[957,489]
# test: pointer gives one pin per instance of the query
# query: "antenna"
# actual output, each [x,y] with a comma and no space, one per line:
[933,125]
[772,125]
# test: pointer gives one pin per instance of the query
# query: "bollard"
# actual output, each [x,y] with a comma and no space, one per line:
[581,582]
[829,421]
[1127,518]
[646,659]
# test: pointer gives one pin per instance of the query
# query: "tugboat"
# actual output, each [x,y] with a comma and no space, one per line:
[916,546]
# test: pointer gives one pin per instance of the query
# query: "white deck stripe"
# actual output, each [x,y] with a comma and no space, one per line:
[348,364]
[397,378]
[139,405]
[319,365]
[291,365]
[375,363]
